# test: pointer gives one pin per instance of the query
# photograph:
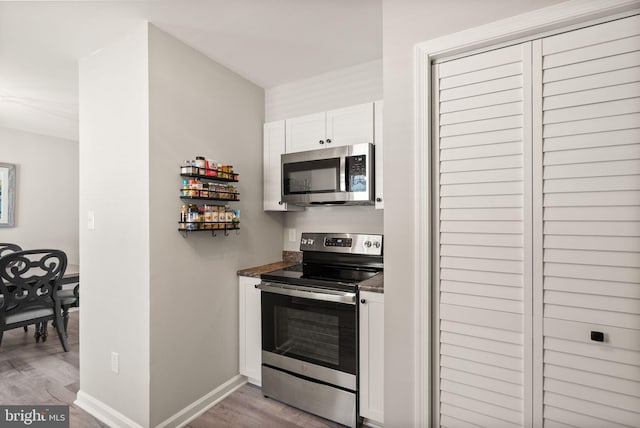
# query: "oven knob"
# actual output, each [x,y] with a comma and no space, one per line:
[310,241]
[376,244]
[303,241]
[367,244]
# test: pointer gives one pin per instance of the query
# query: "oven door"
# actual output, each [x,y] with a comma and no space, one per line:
[310,331]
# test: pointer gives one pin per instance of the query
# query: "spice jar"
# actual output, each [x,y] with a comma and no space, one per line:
[193,217]
[183,217]
[208,214]
[214,217]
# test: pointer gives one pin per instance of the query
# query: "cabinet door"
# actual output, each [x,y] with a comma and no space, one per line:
[250,330]
[306,133]
[482,239]
[274,146]
[372,356]
[377,136]
[590,223]
[350,125]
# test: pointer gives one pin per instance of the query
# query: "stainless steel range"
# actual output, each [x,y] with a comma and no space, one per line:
[310,324]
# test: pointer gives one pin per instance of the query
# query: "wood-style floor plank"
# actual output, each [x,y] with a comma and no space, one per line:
[41,373]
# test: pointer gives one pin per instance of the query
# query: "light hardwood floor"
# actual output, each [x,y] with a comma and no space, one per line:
[42,373]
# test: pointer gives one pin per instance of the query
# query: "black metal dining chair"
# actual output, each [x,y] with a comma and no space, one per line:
[8,248]
[29,282]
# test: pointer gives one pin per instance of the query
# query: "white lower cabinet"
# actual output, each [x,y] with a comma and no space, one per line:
[250,330]
[372,356]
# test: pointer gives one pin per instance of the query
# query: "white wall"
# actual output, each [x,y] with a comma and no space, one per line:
[46,213]
[405,23]
[349,219]
[198,107]
[349,86]
[114,184]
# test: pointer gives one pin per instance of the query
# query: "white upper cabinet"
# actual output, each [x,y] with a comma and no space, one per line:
[274,146]
[306,132]
[340,127]
[350,125]
[378,106]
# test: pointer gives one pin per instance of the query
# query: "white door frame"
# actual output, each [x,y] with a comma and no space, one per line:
[528,26]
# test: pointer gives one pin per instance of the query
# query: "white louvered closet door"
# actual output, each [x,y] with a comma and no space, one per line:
[483,222]
[591,226]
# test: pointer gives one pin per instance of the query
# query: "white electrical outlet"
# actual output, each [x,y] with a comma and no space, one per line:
[115,362]
[292,235]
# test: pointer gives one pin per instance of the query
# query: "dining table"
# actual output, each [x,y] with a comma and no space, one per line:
[71,275]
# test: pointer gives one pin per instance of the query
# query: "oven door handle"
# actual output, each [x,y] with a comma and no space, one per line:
[308,293]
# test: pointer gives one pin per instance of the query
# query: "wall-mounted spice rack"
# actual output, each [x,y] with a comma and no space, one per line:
[205,226]
[206,180]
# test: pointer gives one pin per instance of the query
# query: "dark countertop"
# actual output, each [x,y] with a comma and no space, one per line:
[256,271]
[374,284]
[289,258]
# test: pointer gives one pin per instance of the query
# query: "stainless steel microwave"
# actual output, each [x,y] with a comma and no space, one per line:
[340,175]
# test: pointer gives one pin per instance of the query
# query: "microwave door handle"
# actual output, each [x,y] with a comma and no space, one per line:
[306,293]
[343,173]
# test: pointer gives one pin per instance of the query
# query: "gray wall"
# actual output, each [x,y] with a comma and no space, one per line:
[405,23]
[198,107]
[167,304]
[46,202]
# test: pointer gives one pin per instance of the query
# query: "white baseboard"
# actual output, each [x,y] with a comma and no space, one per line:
[371,423]
[256,382]
[115,419]
[103,412]
[198,407]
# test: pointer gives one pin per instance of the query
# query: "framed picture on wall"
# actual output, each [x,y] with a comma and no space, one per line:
[7,194]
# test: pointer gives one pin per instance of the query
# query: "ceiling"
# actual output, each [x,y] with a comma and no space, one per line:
[269,42]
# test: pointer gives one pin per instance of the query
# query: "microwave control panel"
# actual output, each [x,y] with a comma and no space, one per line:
[357,173]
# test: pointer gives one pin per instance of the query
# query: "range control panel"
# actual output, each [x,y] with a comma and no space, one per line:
[353,243]
[338,242]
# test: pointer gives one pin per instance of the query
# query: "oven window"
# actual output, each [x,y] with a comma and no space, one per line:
[319,176]
[311,334]
[318,332]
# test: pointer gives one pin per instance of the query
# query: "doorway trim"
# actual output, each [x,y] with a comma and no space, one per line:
[528,26]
